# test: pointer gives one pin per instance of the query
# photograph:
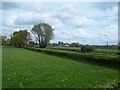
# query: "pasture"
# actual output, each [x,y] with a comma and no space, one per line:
[28,69]
[77,49]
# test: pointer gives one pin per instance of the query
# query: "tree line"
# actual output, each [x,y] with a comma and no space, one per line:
[43,33]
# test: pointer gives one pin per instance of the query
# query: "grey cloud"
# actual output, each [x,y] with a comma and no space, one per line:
[105,5]
[30,21]
[27,6]
[9,5]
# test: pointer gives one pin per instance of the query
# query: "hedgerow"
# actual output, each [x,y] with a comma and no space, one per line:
[68,49]
[98,58]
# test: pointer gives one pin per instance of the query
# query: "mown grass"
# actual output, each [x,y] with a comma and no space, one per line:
[23,68]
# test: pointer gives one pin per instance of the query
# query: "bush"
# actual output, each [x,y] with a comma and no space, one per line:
[85,49]
[74,45]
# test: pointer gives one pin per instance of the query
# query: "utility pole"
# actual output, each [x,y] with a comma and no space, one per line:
[106,40]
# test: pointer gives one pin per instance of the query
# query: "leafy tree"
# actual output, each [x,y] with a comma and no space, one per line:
[59,43]
[3,40]
[20,38]
[8,41]
[74,44]
[87,48]
[44,33]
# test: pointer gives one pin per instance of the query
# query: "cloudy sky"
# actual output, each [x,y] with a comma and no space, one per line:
[83,22]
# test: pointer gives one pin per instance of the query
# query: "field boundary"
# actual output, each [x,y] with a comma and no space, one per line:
[112,61]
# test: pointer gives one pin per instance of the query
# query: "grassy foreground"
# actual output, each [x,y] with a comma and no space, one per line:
[0,67]
[23,68]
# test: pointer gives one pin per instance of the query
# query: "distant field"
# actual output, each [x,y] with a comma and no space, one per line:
[23,68]
[77,49]
[112,51]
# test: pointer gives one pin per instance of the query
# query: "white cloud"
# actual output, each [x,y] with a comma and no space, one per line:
[32,18]
[8,19]
[82,22]
[73,22]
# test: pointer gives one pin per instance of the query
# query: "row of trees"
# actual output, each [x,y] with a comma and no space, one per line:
[18,38]
[42,32]
[74,44]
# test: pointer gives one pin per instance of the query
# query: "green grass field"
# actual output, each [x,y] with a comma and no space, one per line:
[27,69]
[0,67]
[102,50]
[98,50]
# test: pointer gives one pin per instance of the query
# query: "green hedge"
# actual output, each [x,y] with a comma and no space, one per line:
[104,59]
[68,49]
[85,49]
